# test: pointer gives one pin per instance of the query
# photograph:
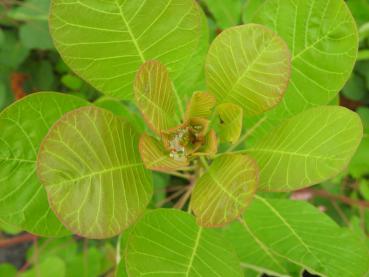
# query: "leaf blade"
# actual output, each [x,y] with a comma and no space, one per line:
[93,153]
[189,250]
[24,124]
[225,190]
[308,148]
[253,76]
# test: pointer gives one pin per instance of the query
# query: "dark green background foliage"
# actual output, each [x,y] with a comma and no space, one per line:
[325,231]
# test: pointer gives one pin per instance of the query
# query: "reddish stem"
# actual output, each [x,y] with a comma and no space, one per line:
[17,240]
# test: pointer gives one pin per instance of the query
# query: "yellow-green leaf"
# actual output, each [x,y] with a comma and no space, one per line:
[154,96]
[93,174]
[231,117]
[200,105]
[225,190]
[155,157]
[249,66]
[307,148]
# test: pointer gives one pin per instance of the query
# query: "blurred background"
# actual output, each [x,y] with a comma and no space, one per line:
[29,63]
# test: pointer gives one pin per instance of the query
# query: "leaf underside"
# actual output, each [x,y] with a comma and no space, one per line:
[248,65]
[93,174]
[154,96]
[225,190]
[231,119]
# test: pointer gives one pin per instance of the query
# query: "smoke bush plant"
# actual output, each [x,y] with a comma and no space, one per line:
[257,119]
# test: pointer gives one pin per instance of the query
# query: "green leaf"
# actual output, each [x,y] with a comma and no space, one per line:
[35,34]
[71,81]
[155,157]
[226,13]
[225,190]
[168,242]
[154,96]
[323,39]
[355,88]
[251,8]
[23,125]
[282,231]
[359,165]
[360,10]
[12,52]
[8,270]
[50,267]
[308,148]
[231,118]
[252,75]
[200,105]
[117,107]
[191,78]
[119,36]
[31,10]
[93,174]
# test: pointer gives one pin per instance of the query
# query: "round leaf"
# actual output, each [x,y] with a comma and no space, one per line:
[225,190]
[249,66]
[323,39]
[23,125]
[93,174]
[168,242]
[105,42]
[308,148]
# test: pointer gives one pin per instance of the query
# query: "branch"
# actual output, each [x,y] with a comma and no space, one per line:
[17,240]
[341,198]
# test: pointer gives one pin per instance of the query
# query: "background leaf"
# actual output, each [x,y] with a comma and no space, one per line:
[225,190]
[308,148]
[93,174]
[251,75]
[282,231]
[168,242]
[226,13]
[119,36]
[23,125]
[154,96]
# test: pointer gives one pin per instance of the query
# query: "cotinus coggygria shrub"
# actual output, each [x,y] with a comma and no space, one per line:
[233,122]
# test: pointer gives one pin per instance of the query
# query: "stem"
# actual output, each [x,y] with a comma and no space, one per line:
[182,201]
[178,174]
[204,162]
[85,258]
[341,198]
[17,240]
[171,197]
[117,254]
[247,134]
